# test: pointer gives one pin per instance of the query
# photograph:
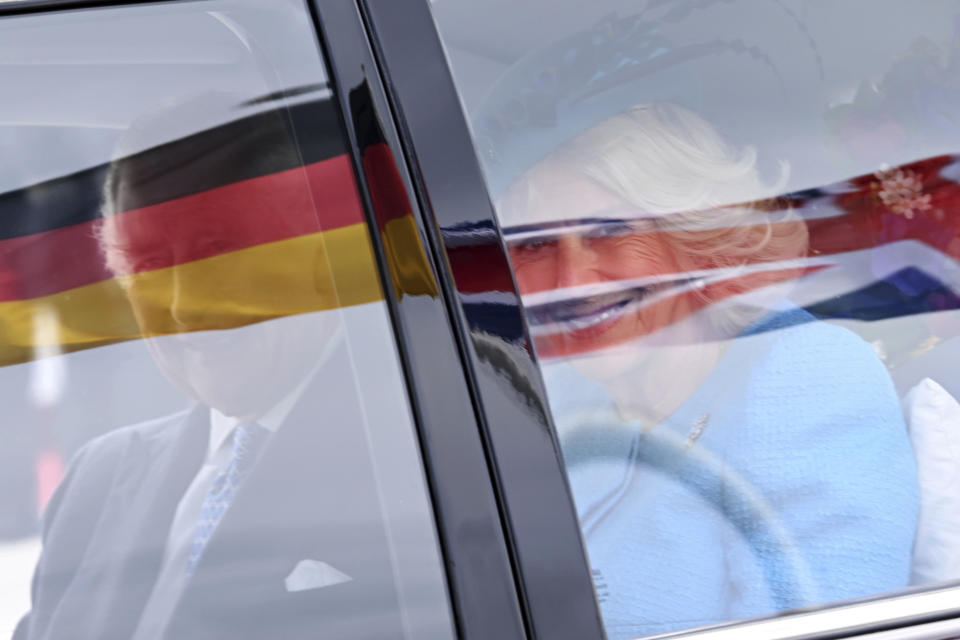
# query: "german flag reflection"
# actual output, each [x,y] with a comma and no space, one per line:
[253,220]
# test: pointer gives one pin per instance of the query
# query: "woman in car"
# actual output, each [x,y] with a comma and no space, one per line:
[729,456]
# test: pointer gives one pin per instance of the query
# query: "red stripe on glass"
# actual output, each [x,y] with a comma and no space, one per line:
[318,197]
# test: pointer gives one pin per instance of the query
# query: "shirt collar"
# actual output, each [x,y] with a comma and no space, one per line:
[222,426]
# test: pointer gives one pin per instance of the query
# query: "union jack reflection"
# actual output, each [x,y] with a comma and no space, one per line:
[873,247]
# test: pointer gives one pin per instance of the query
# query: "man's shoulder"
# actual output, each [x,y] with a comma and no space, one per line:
[146,436]
[98,465]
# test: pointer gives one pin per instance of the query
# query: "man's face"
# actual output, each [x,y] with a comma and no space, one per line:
[608,265]
[232,322]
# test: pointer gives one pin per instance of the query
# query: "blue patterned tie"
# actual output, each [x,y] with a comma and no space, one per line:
[248,439]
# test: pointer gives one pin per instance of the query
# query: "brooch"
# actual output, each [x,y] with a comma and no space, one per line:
[699,426]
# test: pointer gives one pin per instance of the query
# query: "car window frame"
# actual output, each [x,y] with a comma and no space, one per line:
[554,578]
[480,575]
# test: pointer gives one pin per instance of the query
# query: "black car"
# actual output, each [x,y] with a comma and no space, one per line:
[480,319]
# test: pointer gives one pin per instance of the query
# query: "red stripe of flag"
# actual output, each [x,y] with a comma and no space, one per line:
[318,197]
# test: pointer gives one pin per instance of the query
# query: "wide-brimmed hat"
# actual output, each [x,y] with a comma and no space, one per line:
[711,61]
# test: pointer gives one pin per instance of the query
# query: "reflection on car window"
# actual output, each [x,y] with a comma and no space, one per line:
[732,229]
[209,433]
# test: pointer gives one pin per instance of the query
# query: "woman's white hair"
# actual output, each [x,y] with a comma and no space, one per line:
[706,198]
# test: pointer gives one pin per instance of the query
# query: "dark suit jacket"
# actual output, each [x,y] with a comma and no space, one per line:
[311,496]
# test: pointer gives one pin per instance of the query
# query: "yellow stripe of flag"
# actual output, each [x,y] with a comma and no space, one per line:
[313,272]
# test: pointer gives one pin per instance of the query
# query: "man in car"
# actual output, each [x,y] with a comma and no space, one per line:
[254,514]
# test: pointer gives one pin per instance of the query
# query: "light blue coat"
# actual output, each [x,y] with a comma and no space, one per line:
[799,489]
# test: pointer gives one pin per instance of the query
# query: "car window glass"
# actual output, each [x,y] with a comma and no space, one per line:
[206,430]
[733,227]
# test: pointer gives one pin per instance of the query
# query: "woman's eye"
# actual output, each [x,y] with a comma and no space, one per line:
[530,248]
[610,230]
